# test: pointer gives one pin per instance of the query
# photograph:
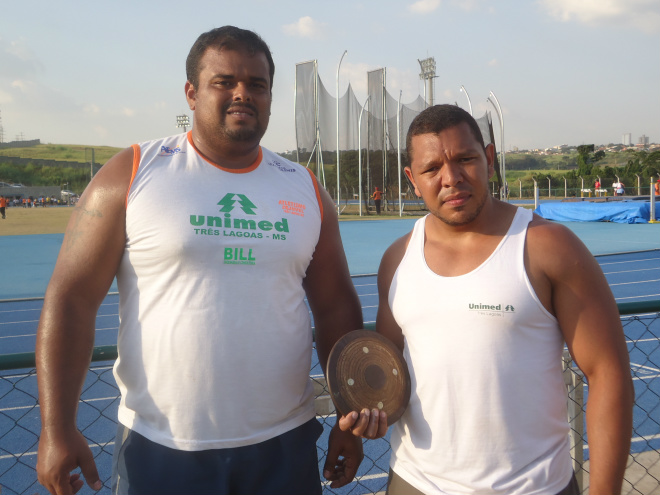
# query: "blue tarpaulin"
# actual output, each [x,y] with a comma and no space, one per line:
[591,211]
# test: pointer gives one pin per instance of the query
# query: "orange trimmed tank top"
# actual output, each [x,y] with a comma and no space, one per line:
[215,340]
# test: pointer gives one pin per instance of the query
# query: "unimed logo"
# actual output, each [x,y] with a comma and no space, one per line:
[248,225]
[491,309]
[227,203]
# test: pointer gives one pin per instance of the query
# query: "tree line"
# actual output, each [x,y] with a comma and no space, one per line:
[381,169]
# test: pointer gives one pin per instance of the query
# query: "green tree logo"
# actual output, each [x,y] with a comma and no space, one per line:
[228,201]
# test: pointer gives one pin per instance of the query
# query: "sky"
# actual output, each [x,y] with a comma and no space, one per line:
[113,73]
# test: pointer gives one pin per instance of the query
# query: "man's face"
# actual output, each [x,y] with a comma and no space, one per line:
[233,99]
[450,171]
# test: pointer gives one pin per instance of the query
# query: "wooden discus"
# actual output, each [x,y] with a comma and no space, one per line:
[366,370]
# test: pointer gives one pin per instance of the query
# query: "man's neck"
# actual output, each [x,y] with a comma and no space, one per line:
[227,155]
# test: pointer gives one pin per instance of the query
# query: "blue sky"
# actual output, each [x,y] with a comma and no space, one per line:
[112,73]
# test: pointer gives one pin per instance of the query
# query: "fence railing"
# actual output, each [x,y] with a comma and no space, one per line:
[97,416]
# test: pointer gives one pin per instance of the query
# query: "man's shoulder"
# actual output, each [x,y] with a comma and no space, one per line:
[395,252]
[282,164]
[172,142]
[551,239]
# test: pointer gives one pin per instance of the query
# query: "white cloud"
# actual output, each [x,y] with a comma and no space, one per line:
[128,112]
[492,63]
[20,50]
[17,60]
[306,27]
[638,14]
[424,6]
[468,5]
[91,109]
[23,86]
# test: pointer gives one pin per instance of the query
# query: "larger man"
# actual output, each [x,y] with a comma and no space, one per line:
[215,242]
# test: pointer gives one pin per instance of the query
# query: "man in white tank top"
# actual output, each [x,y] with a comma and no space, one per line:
[215,340]
[480,298]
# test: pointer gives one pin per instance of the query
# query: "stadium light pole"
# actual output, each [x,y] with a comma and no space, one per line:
[468,98]
[360,152]
[496,104]
[183,121]
[338,67]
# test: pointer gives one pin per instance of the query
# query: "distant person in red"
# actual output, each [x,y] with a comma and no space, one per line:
[3,205]
[597,187]
[377,195]
[657,188]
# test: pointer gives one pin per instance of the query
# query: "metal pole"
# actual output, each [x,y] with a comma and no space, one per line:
[652,203]
[398,145]
[496,104]
[295,124]
[338,66]
[536,195]
[360,152]
[385,140]
[468,98]
[582,187]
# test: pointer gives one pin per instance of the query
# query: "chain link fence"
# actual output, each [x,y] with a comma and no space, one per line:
[97,417]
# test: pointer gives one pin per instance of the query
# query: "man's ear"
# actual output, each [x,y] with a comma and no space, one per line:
[191,95]
[490,159]
[409,174]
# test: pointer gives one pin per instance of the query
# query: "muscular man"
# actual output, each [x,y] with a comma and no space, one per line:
[215,342]
[481,297]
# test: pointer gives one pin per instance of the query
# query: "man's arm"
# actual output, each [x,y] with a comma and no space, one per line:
[337,311]
[568,278]
[88,260]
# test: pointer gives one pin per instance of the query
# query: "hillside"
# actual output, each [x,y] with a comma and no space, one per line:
[63,152]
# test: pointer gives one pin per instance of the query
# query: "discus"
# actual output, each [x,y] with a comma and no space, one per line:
[366,370]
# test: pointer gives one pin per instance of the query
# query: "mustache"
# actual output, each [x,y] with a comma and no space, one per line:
[238,106]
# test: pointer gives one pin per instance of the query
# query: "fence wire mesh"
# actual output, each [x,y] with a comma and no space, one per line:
[97,419]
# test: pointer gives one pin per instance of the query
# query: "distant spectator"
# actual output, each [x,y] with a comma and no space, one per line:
[377,195]
[620,190]
[657,188]
[3,205]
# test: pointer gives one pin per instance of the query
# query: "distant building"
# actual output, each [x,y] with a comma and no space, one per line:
[643,141]
[626,140]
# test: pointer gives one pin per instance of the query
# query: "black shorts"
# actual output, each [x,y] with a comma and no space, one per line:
[284,464]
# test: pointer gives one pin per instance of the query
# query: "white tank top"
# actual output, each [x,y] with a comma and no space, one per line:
[488,410]
[215,340]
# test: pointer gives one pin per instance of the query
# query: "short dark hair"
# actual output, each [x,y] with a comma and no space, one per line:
[229,38]
[437,118]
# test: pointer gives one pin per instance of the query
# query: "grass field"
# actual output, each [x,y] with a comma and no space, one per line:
[27,221]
